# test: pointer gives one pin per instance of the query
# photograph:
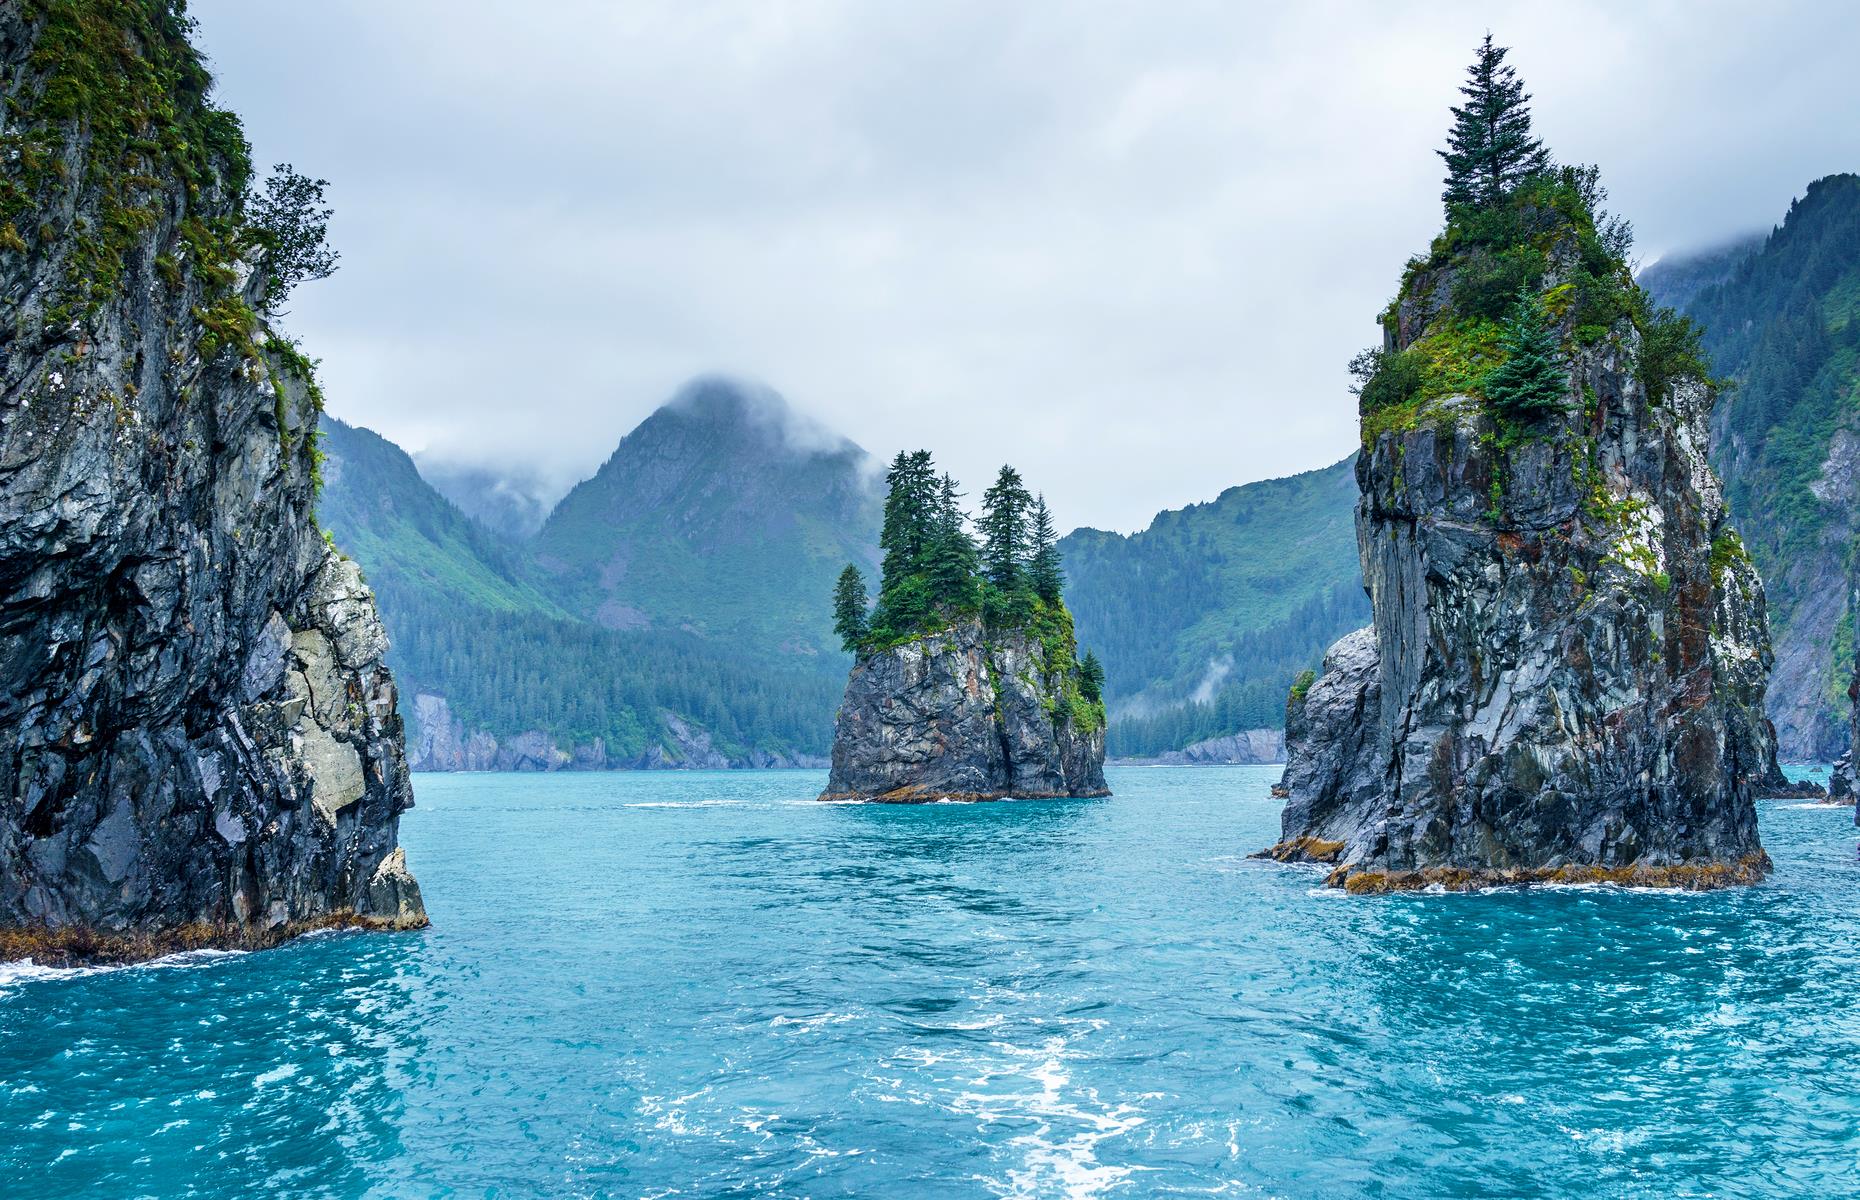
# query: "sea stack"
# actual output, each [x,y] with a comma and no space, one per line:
[966,683]
[1565,675]
[199,744]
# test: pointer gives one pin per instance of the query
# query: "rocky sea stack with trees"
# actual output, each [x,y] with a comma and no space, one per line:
[199,743]
[1565,674]
[966,683]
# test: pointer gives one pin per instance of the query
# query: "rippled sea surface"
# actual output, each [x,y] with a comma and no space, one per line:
[709,985]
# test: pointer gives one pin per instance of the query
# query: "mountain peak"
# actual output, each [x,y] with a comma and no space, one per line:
[744,413]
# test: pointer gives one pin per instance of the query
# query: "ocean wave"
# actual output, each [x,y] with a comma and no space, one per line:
[24,970]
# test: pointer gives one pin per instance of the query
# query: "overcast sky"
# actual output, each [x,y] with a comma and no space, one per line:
[1128,247]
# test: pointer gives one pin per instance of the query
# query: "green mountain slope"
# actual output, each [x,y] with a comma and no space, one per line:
[1781,325]
[468,623]
[1204,619]
[1678,278]
[416,547]
[723,514]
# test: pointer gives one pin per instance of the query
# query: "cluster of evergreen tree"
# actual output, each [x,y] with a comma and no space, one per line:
[935,571]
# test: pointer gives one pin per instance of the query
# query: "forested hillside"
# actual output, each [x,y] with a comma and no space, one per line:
[725,514]
[1781,326]
[1204,619]
[466,623]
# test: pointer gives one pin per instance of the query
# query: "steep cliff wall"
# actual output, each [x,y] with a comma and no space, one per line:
[198,740]
[1566,671]
[967,714]
[1781,317]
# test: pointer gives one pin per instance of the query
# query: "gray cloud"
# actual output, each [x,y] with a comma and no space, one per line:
[1128,247]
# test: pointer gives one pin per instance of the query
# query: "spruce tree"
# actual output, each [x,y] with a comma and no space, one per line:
[905,603]
[1091,677]
[849,616]
[1531,382]
[1490,149]
[1004,533]
[950,561]
[1043,568]
[910,506]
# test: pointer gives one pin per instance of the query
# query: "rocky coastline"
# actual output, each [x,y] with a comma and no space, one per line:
[199,740]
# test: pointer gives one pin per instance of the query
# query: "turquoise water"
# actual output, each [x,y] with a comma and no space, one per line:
[708,985]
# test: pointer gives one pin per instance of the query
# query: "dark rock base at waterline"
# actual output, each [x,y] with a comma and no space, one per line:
[78,945]
[917,795]
[1687,877]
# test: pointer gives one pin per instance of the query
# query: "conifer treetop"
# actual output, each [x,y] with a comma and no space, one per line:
[1490,148]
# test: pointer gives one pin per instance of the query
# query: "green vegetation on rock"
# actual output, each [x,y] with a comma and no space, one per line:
[1529,267]
[935,575]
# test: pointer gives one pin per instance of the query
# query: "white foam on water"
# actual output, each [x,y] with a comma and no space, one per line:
[684,804]
[1059,1155]
[811,1024]
[277,1074]
[24,970]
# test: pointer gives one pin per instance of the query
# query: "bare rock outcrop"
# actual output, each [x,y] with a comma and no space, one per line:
[966,713]
[199,742]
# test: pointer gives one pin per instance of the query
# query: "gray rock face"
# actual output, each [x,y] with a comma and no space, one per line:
[1247,747]
[1844,779]
[962,715]
[1570,687]
[442,742]
[198,738]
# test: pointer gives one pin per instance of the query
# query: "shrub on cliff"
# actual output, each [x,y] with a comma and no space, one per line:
[289,220]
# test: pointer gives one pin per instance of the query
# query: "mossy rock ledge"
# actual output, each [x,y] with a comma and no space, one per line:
[965,713]
[1565,674]
[199,742]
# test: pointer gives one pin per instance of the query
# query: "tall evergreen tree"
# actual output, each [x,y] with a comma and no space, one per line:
[1490,149]
[1044,572]
[1531,382]
[1004,533]
[910,513]
[951,559]
[1091,677]
[905,602]
[849,609]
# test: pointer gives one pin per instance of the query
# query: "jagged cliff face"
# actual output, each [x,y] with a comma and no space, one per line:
[966,714]
[1780,318]
[198,740]
[1565,674]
